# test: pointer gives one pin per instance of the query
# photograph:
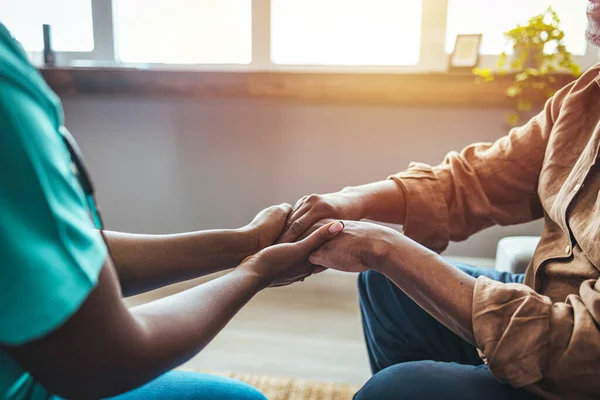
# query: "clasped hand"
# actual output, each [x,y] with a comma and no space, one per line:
[296,242]
[283,263]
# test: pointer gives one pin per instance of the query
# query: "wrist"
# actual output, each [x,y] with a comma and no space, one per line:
[247,239]
[397,253]
[387,251]
[382,201]
[252,270]
[358,198]
[380,254]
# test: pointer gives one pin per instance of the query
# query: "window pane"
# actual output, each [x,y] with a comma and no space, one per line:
[346,32]
[71,21]
[494,18]
[184,31]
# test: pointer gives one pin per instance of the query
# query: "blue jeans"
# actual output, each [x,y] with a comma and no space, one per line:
[182,385]
[414,357]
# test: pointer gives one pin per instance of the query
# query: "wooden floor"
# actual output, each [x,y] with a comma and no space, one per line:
[309,330]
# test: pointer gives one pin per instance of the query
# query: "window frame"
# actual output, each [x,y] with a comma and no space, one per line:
[104,40]
[433,56]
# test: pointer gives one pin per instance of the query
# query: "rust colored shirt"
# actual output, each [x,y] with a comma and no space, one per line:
[542,335]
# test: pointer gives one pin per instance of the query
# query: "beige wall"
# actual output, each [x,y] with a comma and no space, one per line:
[167,165]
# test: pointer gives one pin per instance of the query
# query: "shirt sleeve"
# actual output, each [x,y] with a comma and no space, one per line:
[485,184]
[525,338]
[50,251]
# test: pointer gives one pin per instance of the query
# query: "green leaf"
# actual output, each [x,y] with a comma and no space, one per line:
[485,73]
[521,76]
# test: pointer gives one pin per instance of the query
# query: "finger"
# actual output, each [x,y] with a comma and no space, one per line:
[318,269]
[286,207]
[281,217]
[296,225]
[297,211]
[300,202]
[294,214]
[321,257]
[320,236]
[299,227]
[273,211]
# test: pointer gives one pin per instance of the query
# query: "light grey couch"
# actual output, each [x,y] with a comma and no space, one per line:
[514,253]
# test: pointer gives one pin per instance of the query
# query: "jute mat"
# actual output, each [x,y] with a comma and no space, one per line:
[276,388]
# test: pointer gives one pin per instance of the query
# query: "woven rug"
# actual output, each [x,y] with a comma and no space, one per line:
[294,389]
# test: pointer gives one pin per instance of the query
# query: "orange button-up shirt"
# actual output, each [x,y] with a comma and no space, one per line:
[542,335]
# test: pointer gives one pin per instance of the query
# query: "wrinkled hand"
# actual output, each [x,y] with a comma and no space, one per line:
[361,246]
[267,226]
[286,263]
[311,209]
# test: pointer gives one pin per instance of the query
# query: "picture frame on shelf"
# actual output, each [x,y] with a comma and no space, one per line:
[466,54]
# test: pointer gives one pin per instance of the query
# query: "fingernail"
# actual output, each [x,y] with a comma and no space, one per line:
[337,227]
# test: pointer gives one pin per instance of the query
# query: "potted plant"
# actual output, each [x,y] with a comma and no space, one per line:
[539,53]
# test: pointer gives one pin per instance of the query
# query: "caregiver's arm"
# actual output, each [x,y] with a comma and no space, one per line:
[146,262]
[105,348]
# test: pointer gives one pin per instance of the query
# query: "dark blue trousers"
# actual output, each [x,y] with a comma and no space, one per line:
[413,356]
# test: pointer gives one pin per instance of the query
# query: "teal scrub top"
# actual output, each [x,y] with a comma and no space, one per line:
[50,250]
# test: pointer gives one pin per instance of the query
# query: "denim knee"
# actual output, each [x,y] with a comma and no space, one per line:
[369,284]
[406,381]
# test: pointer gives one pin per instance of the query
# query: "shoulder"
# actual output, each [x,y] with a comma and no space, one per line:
[578,94]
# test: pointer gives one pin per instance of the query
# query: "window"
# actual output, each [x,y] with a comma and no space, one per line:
[345,32]
[184,31]
[328,35]
[71,22]
[494,18]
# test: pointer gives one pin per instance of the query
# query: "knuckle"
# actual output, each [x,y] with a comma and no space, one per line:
[297,226]
[313,198]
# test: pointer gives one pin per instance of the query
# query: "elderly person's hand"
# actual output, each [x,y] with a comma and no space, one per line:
[361,246]
[311,209]
[378,201]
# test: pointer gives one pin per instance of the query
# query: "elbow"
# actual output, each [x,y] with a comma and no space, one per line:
[101,374]
[91,384]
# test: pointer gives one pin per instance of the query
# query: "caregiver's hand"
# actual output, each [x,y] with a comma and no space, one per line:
[345,204]
[361,246]
[267,226]
[284,264]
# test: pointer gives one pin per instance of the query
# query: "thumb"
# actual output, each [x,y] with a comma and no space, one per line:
[320,236]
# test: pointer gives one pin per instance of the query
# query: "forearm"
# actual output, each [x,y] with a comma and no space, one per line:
[159,336]
[177,327]
[146,262]
[105,348]
[439,288]
[382,201]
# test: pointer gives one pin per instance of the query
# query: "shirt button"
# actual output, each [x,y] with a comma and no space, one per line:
[568,249]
